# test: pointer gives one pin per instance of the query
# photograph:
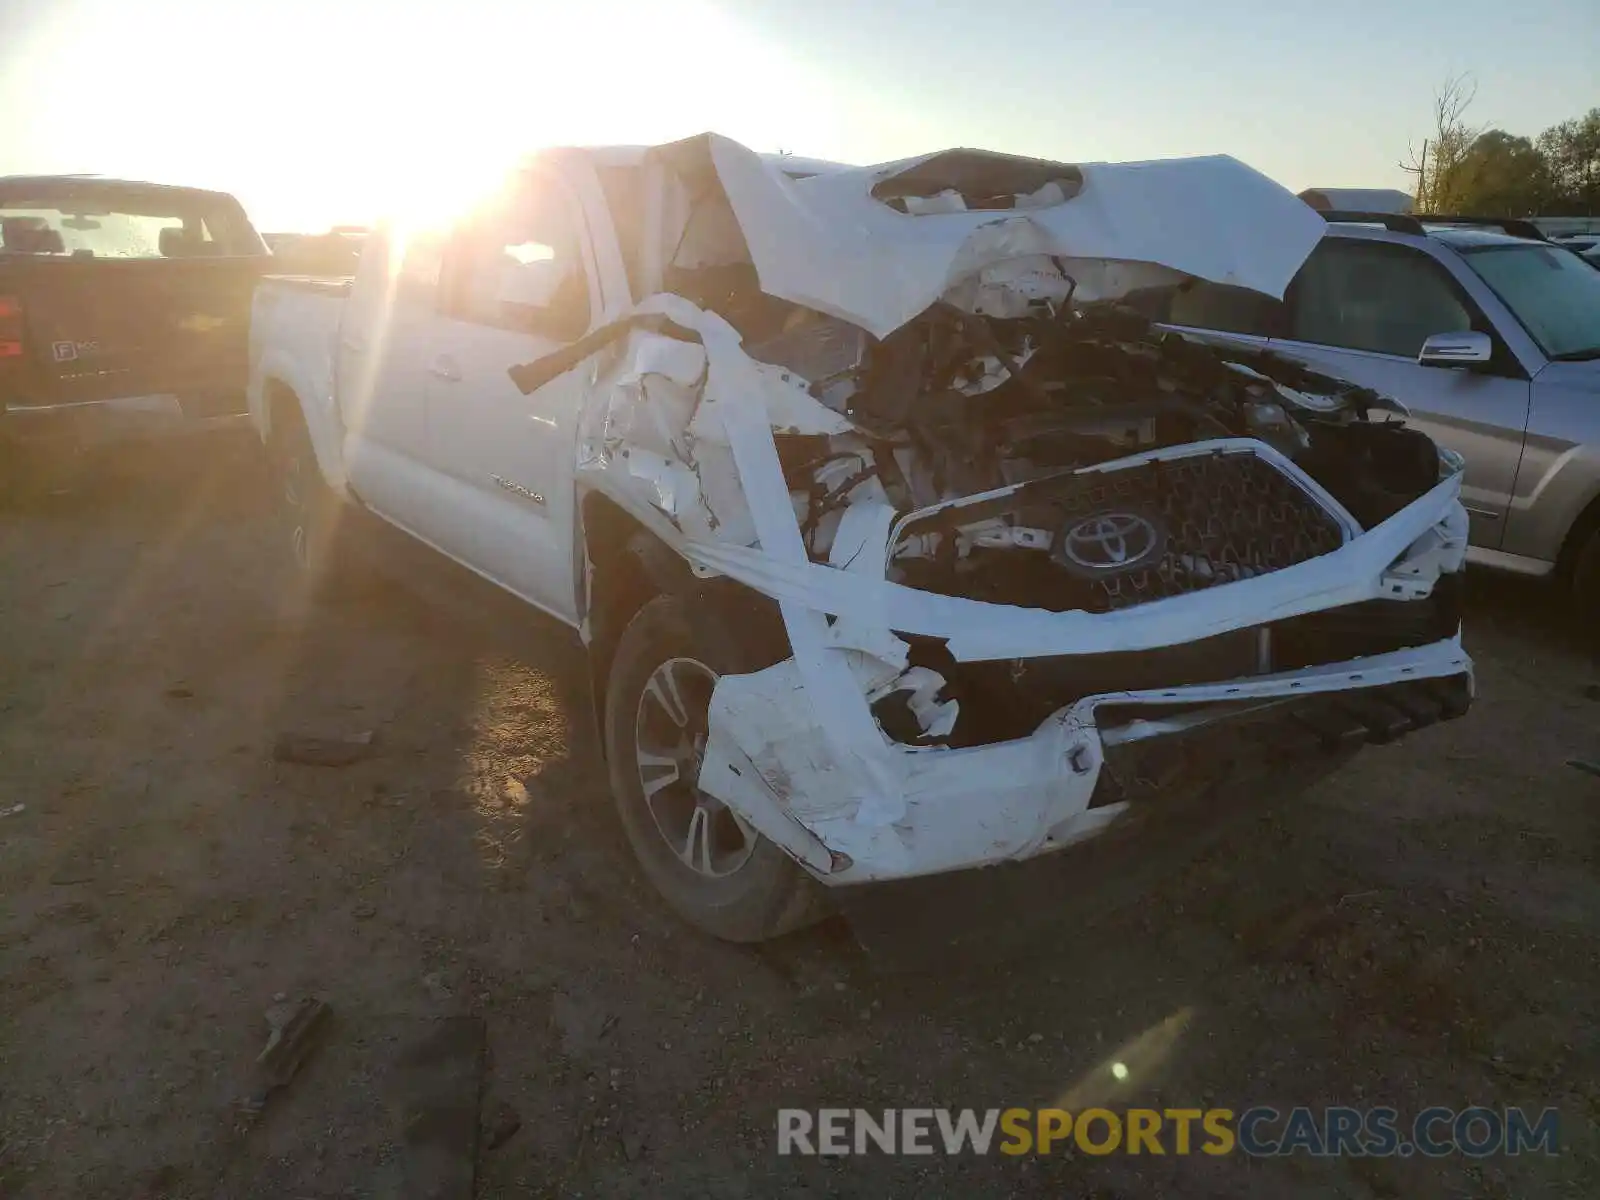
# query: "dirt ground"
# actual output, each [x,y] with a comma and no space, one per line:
[1422,929]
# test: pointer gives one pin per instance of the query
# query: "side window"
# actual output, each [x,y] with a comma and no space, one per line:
[1198,304]
[1204,305]
[1373,296]
[519,264]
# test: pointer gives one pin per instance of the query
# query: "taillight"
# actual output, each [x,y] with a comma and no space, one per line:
[10,327]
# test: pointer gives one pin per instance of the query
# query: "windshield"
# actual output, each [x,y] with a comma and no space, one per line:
[113,223]
[1552,292]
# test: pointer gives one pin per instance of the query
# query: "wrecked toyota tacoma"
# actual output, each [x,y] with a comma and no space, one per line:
[900,543]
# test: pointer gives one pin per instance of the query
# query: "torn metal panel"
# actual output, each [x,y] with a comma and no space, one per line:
[665,448]
[971,491]
[859,768]
[828,243]
[849,777]
[1001,802]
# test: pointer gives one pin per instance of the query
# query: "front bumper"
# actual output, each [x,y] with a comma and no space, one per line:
[798,749]
[1018,799]
[795,750]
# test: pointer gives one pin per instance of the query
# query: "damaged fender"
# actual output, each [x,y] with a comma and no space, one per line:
[847,753]
[832,798]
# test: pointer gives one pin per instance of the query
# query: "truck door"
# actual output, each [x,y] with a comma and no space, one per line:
[382,371]
[520,282]
[1361,309]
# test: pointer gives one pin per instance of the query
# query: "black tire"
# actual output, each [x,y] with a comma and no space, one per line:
[766,894]
[308,511]
[1586,585]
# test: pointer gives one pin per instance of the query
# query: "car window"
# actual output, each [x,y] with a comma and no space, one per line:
[1553,293]
[519,264]
[1217,306]
[1375,296]
[101,222]
[1201,305]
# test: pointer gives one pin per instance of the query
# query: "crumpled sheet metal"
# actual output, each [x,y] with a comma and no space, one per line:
[665,448]
[849,774]
[859,755]
[978,805]
[827,243]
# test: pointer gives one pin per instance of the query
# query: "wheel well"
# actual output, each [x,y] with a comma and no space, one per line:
[615,586]
[630,566]
[1577,537]
[281,404]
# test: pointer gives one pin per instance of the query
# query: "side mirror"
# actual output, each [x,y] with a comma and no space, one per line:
[1471,348]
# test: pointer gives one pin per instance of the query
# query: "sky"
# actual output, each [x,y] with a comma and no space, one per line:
[336,111]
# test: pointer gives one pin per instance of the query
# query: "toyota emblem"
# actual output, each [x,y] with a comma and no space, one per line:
[1109,543]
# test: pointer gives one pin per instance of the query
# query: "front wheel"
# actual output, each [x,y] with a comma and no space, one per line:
[707,862]
[1585,585]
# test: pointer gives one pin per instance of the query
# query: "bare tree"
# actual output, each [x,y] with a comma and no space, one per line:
[1437,168]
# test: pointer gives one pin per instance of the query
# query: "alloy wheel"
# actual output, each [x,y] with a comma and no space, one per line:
[670,730]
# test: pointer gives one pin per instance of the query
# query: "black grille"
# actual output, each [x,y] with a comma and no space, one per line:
[1260,745]
[1224,517]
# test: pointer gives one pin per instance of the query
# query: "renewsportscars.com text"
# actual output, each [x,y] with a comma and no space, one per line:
[1260,1131]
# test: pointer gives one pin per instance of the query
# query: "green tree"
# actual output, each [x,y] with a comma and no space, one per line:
[1500,175]
[1571,151]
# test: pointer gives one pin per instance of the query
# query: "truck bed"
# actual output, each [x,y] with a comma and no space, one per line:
[338,285]
[294,336]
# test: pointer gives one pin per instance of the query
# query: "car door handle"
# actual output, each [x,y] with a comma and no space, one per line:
[444,367]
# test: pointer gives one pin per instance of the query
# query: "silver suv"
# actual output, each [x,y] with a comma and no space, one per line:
[1488,333]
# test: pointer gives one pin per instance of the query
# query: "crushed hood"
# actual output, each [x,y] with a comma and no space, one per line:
[878,245]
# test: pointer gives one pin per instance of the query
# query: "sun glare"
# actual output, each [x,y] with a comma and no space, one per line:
[335,107]
[347,111]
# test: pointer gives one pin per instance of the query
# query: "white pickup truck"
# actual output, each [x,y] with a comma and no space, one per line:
[898,546]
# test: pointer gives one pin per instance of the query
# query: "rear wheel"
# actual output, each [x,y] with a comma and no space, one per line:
[707,862]
[308,509]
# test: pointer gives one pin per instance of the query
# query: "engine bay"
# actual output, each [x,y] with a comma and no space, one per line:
[980,430]
[1086,460]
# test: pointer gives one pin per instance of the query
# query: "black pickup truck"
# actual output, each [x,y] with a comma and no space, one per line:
[124,313]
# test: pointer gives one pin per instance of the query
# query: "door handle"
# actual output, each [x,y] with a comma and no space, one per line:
[444,367]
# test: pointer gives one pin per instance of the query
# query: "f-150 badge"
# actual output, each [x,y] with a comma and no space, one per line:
[72,351]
